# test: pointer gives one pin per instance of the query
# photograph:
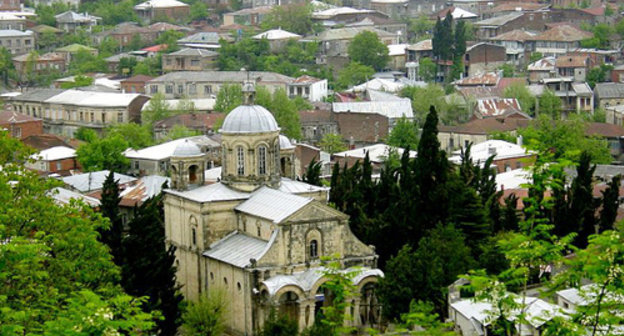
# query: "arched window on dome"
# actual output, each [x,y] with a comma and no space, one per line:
[240,160]
[262,160]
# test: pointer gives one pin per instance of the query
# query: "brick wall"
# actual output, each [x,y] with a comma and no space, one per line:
[364,128]
[24,129]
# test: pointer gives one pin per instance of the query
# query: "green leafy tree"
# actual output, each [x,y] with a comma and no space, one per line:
[460,39]
[524,96]
[157,109]
[6,65]
[295,18]
[535,56]
[126,65]
[427,69]
[332,143]
[549,104]
[148,268]
[104,154]
[206,316]
[404,134]
[180,131]
[367,49]
[423,98]
[137,136]
[86,134]
[286,114]
[353,74]
[419,28]
[83,62]
[229,97]
[610,204]
[199,11]
[279,325]
[421,316]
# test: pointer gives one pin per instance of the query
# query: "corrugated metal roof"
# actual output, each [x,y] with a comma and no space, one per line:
[307,279]
[493,107]
[237,249]
[609,90]
[277,34]
[92,98]
[498,20]
[391,109]
[55,153]
[222,76]
[148,186]
[94,180]
[298,187]
[376,153]
[167,149]
[211,193]
[160,4]
[64,196]
[39,95]
[272,204]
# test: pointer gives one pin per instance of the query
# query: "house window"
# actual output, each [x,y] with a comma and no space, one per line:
[240,162]
[81,116]
[314,249]
[153,89]
[261,160]
[207,89]
[180,89]
[136,165]
[17,132]
[103,117]
[194,62]
[169,89]
[168,61]
[92,115]
[307,90]
[120,117]
[193,236]
[193,89]
[58,165]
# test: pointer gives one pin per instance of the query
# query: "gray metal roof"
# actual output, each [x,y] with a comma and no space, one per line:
[118,57]
[237,249]
[187,148]
[202,37]
[392,109]
[609,90]
[272,204]
[63,196]
[285,142]
[346,34]
[222,76]
[297,187]
[15,33]
[210,193]
[307,279]
[194,52]
[498,20]
[39,95]
[94,180]
[249,119]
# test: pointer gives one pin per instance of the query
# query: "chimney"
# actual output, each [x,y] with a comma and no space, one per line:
[519,140]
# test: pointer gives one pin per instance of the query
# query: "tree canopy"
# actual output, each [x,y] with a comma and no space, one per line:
[367,49]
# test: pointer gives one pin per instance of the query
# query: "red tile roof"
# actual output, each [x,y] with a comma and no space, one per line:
[7,117]
[44,141]
[155,48]
[197,121]
[571,61]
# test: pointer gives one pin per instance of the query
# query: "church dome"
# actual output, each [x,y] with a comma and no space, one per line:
[285,142]
[249,119]
[187,148]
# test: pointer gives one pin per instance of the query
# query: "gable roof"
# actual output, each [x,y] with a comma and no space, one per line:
[7,117]
[347,33]
[456,13]
[194,52]
[272,204]
[165,150]
[514,35]
[424,45]
[237,249]
[92,98]
[571,61]
[562,33]
[487,126]
[276,34]
[376,153]
[498,21]
[390,109]
[73,17]
[201,37]
[55,153]
[609,90]
[160,4]
[493,107]
[487,78]
[94,180]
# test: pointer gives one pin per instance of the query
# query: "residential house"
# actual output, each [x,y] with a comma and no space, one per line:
[247,16]
[575,97]
[456,13]
[156,160]
[340,16]
[264,3]
[203,40]
[496,107]
[542,68]
[206,84]
[417,8]
[485,79]
[393,85]
[69,51]
[308,87]
[92,181]
[112,62]
[397,53]
[393,110]
[361,128]
[17,42]
[188,59]
[495,26]
[478,130]
[277,38]
[415,53]
[557,41]
[393,8]
[609,94]
[575,66]
[382,23]
[12,21]
[513,41]
[47,36]
[135,84]
[10,5]
[41,64]
[200,121]
[507,156]
[161,27]
[483,57]
[305,154]
[617,74]
[377,154]
[508,7]
[66,111]
[317,122]
[598,57]
[20,126]
[71,21]
[612,133]
[59,160]
[44,141]
[157,10]
[334,43]
[125,32]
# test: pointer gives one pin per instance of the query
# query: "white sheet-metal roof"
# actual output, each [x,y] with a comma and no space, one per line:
[501,149]
[392,109]
[397,49]
[307,279]
[514,179]
[200,104]
[331,12]
[237,249]
[298,187]
[272,204]
[92,98]
[159,4]
[375,95]
[55,153]
[376,153]
[277,34]
[147,187]
[94,180]
[213,174]
[459,13]
[210,193]
[64,196]
[387,85]
[167,149]
[15,33]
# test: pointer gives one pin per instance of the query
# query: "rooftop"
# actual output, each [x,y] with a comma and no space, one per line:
[391,109]
[222,76]
[562,33]
[9,117]
[500,149]
[456,13]
[514,35]
[167,149]
[609,90]
[55,153]
[94,180]
[64,196]
[194,52]
[488,78]
[15,33]
[75,48]
[346,34]
[332,12]
[272,204]
[237,249]
[494,107]
[276,34]
[159,4]
[424,45]
[572,61]
[249,119]
[73,17]
[201,37]
[93,99]
[544,64]
[498,21]
[210,193]
[51,56]
[376,153]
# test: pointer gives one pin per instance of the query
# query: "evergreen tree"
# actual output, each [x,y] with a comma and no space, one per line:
[313,173]
[109,207]
[582,204]
[447,38]
[335,194]
[610,204]
[436,40]
[460,39]
[149,268]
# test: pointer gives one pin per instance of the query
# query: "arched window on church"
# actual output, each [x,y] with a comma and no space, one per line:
[240,160]
[194,236]
[313,249]
[193,174]
[262,160]
[276,156]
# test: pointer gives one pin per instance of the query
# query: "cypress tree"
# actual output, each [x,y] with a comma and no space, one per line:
[436,40]
[149,268]
[335,194]
[447,49]
[460,39]
[313,173]
[109,207]
[582,204]
[610,204]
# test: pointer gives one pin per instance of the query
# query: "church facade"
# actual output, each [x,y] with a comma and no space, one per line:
[258,235]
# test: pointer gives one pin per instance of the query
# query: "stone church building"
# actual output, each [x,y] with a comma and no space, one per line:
[257,234]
